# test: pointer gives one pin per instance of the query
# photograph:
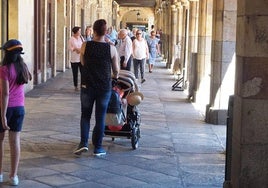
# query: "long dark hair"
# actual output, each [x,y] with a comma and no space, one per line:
[14,56]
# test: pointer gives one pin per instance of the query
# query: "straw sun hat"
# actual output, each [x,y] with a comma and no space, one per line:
[135,98]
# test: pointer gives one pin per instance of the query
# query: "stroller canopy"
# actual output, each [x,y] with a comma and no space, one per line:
[127,81]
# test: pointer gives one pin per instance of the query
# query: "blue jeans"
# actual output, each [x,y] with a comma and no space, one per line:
[88,97]
[139,64]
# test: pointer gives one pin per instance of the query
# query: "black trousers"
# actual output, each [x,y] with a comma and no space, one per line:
[122,59]
[75,66]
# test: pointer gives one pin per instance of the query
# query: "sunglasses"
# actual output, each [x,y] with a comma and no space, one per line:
[138,33]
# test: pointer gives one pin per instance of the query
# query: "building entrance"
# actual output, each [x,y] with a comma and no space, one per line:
[141,26]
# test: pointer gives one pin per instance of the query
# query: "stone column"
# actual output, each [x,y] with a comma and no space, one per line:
[54,31]
[180,45]
[249,157]
[184,39]
[12,19]
[68,30]
[99,10]
[223,52]
[166,32]
[192,48]
[159,14]
[157,17]
[44,41]
[2,22]
[204,52]
[173,35]
[61,54]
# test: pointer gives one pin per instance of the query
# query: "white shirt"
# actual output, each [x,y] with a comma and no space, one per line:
[125,48]
[140,49]
[75,43]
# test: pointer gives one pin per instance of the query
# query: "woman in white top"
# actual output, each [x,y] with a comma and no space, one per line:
[140,54]
[75,43]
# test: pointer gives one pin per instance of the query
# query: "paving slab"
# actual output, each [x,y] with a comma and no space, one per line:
[177,149]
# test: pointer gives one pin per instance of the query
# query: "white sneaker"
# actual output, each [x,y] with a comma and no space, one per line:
[14,180]
[1,178]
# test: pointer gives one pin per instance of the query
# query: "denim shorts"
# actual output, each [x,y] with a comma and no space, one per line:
[15,117]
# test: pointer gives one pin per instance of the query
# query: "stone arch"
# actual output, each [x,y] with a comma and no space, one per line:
[130,15]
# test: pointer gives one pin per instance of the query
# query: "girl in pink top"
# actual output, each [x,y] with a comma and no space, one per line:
[13,75]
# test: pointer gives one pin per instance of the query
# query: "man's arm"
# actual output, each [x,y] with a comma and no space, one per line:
[128,50]
[4,104]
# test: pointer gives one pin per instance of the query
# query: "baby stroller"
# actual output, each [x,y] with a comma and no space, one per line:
[124,121]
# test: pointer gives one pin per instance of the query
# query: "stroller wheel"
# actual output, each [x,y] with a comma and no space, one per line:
[135,137]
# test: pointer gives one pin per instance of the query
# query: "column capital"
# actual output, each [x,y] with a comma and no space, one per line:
[178,5]
[182,3]
[185,3]
[173,8]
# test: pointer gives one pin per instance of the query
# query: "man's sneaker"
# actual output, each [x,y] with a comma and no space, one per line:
[14,181]
[99,152]
[80,149]
[143,80]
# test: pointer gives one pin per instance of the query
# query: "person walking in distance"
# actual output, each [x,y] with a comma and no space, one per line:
[153,44]
[125,50]
[134,30]
[75,43]
[98,58]
[88,33]
[13,75]
[140,54]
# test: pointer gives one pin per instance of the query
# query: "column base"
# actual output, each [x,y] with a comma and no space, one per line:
[216,116]
[227,184]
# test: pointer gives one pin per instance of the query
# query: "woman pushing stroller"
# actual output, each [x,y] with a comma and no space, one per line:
[97,58]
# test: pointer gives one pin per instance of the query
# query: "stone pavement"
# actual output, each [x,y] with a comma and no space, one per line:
[176,149]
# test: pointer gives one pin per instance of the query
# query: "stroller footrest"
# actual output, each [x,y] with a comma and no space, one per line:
[117,133]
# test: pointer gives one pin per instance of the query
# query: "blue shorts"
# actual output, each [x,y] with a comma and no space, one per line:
[15,117]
